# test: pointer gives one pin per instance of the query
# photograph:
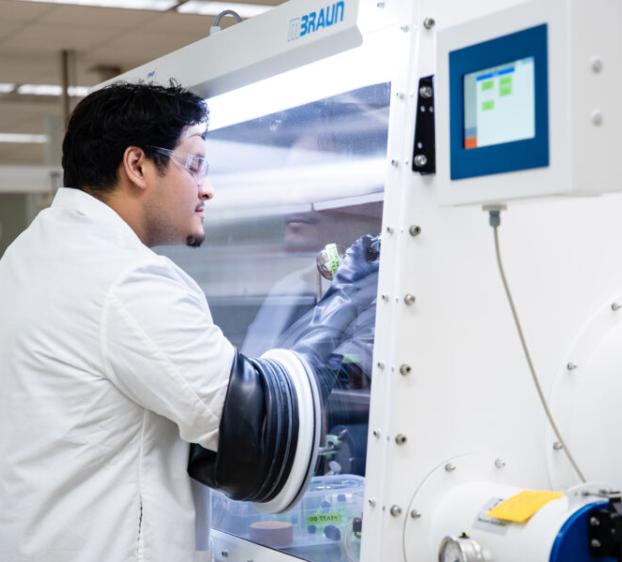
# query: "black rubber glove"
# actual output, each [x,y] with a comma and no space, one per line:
[338,332]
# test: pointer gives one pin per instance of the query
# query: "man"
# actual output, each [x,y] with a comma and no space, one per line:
[110,363]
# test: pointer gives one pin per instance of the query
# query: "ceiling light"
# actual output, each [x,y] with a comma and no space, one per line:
[6,88]
[39,90]
[21,138]
[214,8]
[78,91]
[50,90]
[158,5]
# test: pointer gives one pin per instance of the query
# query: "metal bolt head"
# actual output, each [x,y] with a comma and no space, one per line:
[414,230]
[597,118]
[429,23]
[557,446]
[400,95]
[571,366]
[596,65]
[380,5]
[395,510]
[380,365]
[595,543]
[425,92]
[594,521]
[224,553]
[371,502]
[385,297]
[389,229]
[450,467]
[615,306]
[414,514]
[405,28]
[405,369]
[500,463]
[400,438]
[395,163]
[421,160]
[376,433]
[409,299]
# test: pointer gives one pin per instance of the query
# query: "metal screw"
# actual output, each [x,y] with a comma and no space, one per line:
[390,230]
[395,510]
[409,299]
[421,160]
[615,306]
[500,463]
[380,365]
[376,433]
[595,543]
[395,163]
[557,446]
[450,467]
[429,23]
[405,369]
[594,521]
[405,28]
[571,366]
[385,297]
[371,502]
[597,65]
[380,5]
[425,92]
[415,514]
[224,553]
[400,438]
[414,230]
[597,118]
[400,95]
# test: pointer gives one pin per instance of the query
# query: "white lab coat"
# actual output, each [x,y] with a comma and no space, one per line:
[109,365]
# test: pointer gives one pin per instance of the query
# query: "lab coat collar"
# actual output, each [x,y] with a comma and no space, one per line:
[83,203]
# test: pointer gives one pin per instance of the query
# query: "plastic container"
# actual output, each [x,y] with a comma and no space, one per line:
[318,529]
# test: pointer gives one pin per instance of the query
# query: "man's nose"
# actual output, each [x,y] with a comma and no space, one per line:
[206,189]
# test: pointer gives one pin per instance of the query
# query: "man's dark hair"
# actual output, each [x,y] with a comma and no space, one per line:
[109,120]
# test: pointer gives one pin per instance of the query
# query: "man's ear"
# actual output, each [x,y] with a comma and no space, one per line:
[133,165]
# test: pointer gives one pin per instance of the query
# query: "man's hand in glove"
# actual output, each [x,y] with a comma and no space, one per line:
[338,332]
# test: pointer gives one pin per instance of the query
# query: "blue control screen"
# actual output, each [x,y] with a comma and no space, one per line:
[498,104]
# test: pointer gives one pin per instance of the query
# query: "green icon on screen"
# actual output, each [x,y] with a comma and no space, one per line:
[488,105]
[505,86]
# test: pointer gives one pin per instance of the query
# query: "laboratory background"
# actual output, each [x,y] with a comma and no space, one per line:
[477,417]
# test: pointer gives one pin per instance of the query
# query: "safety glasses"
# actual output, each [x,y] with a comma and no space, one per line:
[196,166]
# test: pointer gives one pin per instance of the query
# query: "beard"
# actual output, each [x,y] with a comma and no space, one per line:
[194,240]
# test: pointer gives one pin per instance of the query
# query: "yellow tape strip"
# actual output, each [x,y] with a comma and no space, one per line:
[524,505]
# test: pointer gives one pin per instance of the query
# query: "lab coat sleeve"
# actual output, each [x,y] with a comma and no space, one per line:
[161,349]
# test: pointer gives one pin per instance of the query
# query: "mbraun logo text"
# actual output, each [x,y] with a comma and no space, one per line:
[316,20]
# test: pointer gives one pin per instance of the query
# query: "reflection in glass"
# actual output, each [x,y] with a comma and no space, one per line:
[288,184]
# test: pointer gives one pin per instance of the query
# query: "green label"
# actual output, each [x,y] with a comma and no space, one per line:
[488,105]
[323,518]
[333,258]
[488,85]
